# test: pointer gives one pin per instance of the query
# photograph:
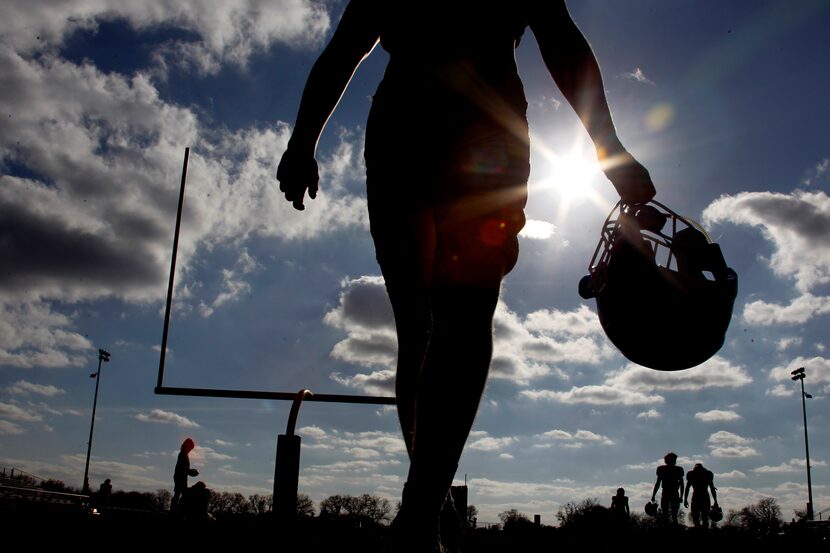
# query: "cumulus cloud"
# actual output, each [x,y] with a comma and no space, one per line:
[218,32]
[788,342]
[817,370]
[797,225]
[166,417]
[370,453]
[537,230]
[791,466]
[22,387]
[208,453]
[729,445]
[576,439]
[593,395]
[32,335]
[717,372]
[650,414]
[525,348]
[17,413]
[780,390]
[798,311]
[717,415]
[490,443]
[93,218]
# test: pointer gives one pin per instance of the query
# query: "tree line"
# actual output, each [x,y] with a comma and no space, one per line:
[762,518]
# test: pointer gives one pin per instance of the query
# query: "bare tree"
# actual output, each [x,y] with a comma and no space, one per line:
[162,502]
[586,513]
[228,503]
[472,516]
[366,506]
[260,504]
[763,517]
[305,506]
[512,519]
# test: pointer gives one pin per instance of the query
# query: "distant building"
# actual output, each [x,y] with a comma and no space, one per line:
[459,497]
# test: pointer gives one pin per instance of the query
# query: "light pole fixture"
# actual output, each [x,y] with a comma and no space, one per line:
[103,357]
[798,374]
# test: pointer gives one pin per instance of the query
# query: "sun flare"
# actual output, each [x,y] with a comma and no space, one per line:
[571,175]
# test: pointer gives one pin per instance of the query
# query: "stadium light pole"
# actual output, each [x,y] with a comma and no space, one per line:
[798,374]
[103,356]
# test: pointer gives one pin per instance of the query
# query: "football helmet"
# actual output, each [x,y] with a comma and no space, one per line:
[651,508]
[663,290]
[716,514]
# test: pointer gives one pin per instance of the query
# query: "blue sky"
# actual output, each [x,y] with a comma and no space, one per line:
[724,102]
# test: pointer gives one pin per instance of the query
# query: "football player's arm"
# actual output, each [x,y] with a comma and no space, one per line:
[355,37]
[686,494]
[656,486]
[576,72]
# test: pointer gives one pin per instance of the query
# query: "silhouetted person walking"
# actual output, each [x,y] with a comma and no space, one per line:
[181,472]
[104,492]
[700,480]
[447,161]
[670,477]
[619,507]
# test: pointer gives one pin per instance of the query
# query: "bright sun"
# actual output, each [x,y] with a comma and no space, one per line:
[571,176]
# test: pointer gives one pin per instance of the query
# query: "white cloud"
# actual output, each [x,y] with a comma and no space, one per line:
[717,415]
[638,75]
[797,225]
[365,445]
[594,395]
[792,466]
[732,474]
[93,219]
[32,335]
[379,383]
[166,417]
[524,349]
[314,432]
[225,32]
[233,286]
[730,445]
[505,456]
[799,311]
[818,173]
[490,443]
[577,438]
[788,342]
[9,428]
[22,387]
[537,230]
[17,413]
[361,453]
[202,453]
[717,372]
[780,390]
[650,414]
[817,370]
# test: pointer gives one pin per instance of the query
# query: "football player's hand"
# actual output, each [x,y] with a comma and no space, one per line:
[298,173]
[629,177]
